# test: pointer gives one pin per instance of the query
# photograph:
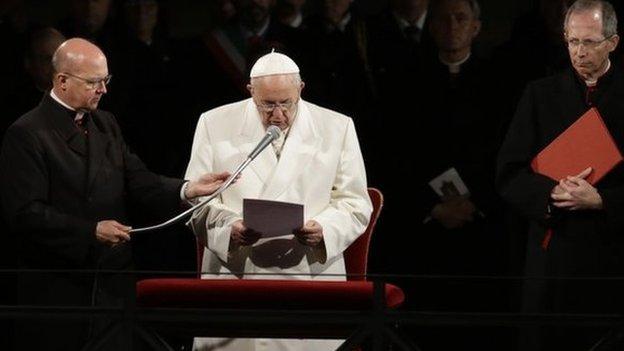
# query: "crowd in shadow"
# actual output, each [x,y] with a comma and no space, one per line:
[423,100]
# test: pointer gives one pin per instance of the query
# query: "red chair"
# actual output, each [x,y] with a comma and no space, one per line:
[236,295]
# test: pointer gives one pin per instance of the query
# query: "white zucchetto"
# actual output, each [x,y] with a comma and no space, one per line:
[272,64]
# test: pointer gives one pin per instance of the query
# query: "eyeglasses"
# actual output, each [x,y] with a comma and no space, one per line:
[93,83]
[587,43]
[270,107]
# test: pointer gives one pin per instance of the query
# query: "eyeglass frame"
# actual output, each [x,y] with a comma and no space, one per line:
[92,83]
[270,107]
[587,43]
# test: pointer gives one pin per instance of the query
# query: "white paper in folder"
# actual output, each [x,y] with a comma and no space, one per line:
[449,184]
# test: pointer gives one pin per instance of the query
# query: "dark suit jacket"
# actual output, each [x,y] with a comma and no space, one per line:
[584,243]
[56,184]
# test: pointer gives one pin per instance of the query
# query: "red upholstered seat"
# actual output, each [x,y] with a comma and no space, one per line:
[262,294]
[355,294]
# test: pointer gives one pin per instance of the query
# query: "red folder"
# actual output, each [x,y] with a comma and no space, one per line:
[586,143]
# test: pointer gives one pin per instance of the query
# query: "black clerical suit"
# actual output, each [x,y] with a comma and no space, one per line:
[56,183]
[456,129]
[585,243]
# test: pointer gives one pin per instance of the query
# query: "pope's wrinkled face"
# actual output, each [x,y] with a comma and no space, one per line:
[276,98]
[589,49]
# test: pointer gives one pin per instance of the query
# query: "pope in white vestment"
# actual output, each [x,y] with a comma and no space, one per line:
[317,163]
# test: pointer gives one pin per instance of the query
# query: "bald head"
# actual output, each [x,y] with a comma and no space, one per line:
[81,74]
[75,53]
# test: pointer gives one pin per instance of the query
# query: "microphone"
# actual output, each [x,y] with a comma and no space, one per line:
[272,133]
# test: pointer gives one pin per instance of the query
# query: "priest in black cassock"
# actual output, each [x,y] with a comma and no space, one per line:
[460,232]
[586,220]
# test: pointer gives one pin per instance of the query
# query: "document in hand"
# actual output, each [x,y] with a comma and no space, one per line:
[449,184]
[272,218]
[586,143]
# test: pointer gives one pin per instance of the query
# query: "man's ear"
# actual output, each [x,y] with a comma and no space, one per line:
[477,29]
[250,89]
[61,78]
[614,41]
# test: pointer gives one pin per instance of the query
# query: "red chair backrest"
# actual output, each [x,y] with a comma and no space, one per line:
[356,255]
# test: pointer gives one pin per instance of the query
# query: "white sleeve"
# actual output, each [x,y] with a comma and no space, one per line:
[212,223]
[349,210]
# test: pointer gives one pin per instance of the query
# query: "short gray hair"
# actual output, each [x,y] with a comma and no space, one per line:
[295,78]
[474,7]
[609,18]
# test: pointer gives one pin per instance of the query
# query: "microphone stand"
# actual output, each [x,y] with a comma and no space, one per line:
[273,132]
[186,213]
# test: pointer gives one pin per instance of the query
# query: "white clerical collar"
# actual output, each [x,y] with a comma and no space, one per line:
[296,22]
[79,114]
[343,23]
[57,99]
[403,23]
[454,67]
[591,83]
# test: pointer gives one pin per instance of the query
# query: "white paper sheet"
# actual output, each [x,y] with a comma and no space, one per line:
[272,218]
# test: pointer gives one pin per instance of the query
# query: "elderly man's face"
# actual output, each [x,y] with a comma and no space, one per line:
[588,48]
[454,25]
[276,98]
[85,83]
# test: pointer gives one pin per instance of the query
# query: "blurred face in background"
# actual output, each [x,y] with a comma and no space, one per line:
[335,10]
[38,61]
[454,26]
[141,16]
[91,14]
[254,13]
[223,10]
[410,10]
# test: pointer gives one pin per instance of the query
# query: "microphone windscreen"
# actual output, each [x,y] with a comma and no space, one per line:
[274,131]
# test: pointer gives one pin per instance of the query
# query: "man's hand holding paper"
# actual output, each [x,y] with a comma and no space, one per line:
[243,236]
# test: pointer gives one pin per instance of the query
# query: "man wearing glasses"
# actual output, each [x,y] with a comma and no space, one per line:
[66,181]
[316,162]
[586,221]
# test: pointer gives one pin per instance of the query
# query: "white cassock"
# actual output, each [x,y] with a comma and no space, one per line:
[320,166]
